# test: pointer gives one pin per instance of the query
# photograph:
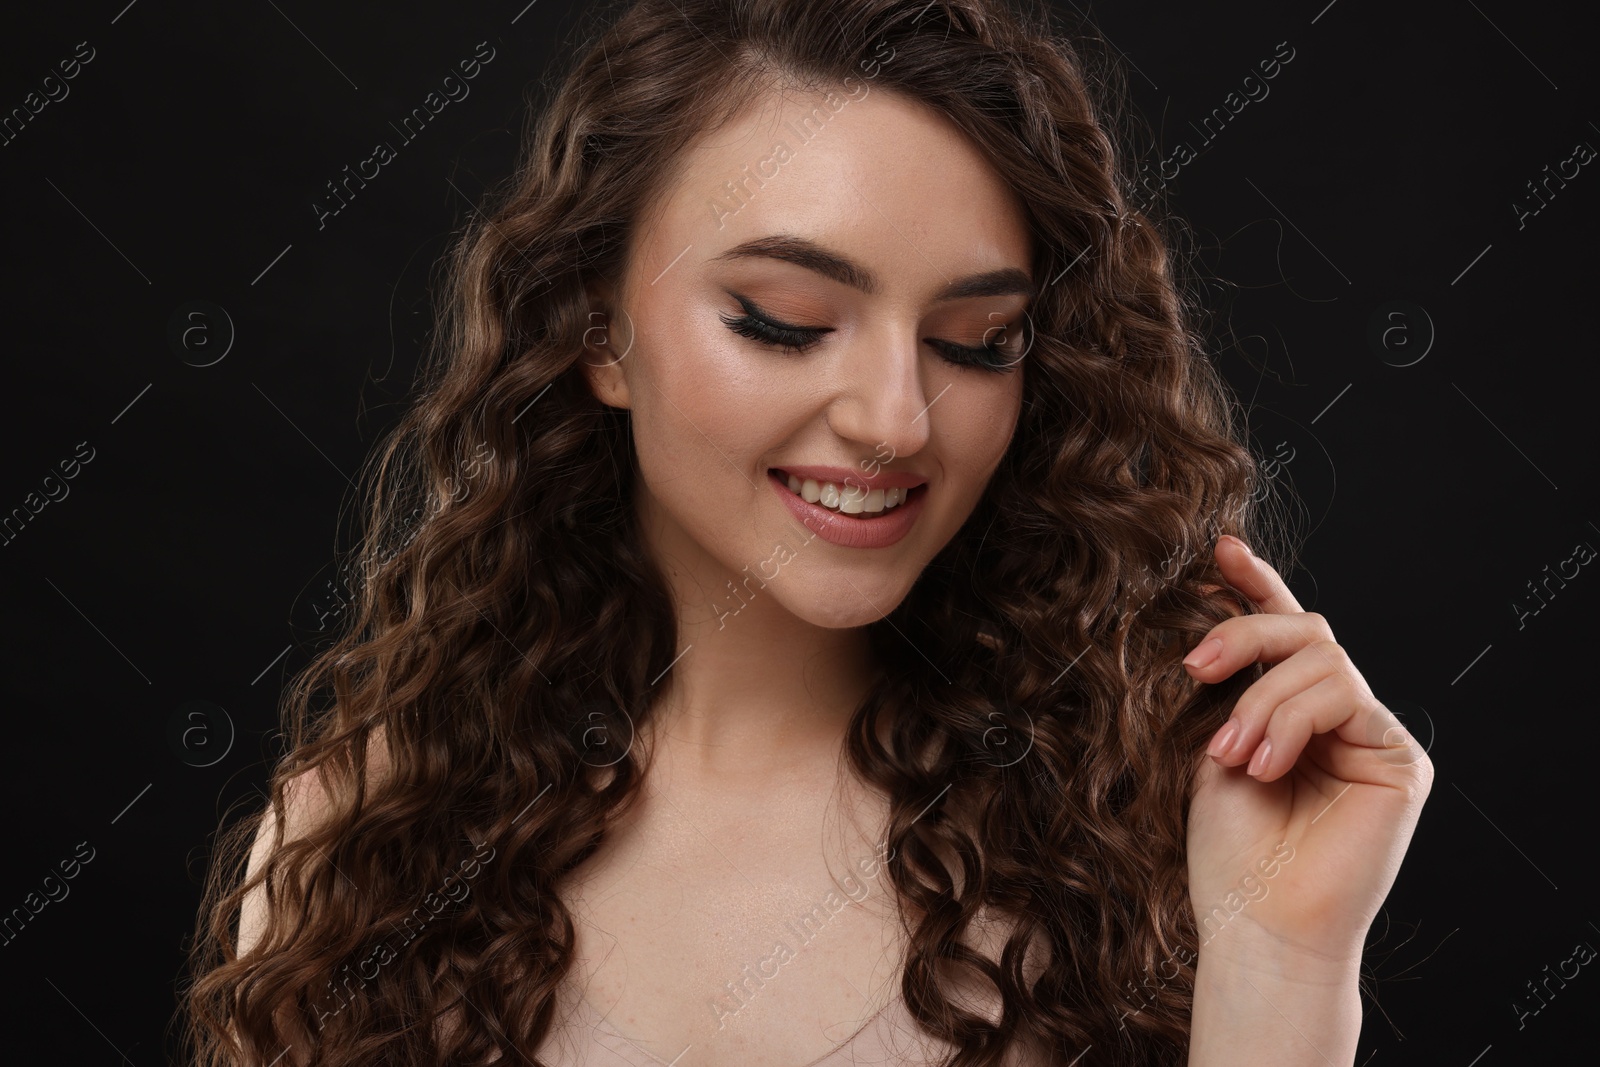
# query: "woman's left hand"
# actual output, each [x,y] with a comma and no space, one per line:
[1312,790]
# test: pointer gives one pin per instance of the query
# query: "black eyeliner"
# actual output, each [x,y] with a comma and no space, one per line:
[758,326]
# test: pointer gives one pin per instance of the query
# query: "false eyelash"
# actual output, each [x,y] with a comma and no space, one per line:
[789,338]
[988,357]
[796,339]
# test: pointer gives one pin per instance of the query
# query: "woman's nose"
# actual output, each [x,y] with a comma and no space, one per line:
[881,403]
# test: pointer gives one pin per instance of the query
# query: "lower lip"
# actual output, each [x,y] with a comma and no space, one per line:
[849,531]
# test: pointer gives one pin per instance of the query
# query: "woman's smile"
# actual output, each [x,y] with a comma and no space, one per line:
[807,243]
[866,365]
[851,509]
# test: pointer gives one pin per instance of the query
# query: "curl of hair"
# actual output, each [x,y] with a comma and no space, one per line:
[508,623]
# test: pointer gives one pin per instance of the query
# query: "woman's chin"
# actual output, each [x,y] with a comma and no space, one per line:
[854,607]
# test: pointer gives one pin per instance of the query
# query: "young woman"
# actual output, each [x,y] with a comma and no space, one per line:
[800,620]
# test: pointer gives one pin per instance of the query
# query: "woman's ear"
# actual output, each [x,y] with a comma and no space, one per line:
[603,347]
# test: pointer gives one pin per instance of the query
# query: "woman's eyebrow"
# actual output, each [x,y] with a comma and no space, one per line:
[803,252]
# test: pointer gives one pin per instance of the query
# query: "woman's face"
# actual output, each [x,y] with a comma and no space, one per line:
[877,238]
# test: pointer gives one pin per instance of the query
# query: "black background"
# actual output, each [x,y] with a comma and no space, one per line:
[1441,469]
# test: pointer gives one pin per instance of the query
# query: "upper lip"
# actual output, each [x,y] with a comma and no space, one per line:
[844,476]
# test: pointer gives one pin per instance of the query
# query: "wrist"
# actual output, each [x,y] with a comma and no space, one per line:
[1260,1000]
[1252,949]
[1271,963]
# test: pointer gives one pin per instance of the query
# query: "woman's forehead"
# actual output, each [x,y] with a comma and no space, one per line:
[880,173]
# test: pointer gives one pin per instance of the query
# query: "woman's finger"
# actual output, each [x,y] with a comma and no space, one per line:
[1254,576]
[1245,639]
[1331,704]
[1340,703]
[1239,738]
[1402,765]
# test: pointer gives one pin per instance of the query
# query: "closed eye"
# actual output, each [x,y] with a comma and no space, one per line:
[755,324]
[759,326]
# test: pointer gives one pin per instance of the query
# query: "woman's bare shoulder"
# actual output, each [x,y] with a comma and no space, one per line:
[306,804]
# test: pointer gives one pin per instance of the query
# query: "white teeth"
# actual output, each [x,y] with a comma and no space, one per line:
[851,500]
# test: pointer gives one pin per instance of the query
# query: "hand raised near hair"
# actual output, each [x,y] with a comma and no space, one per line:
[1310,757]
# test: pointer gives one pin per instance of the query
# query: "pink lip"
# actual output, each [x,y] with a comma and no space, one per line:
[844,476]
[846,530]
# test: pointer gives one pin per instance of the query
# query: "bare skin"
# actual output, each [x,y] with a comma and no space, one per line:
[746,822]
[746,813]
[682,916]
[900,192]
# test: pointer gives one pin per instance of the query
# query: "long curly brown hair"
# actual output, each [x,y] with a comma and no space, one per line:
[507,624]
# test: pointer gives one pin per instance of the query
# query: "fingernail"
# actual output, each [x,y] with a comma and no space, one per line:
[1207,652]
[1259,761]
[1224,738]
[1240,543]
